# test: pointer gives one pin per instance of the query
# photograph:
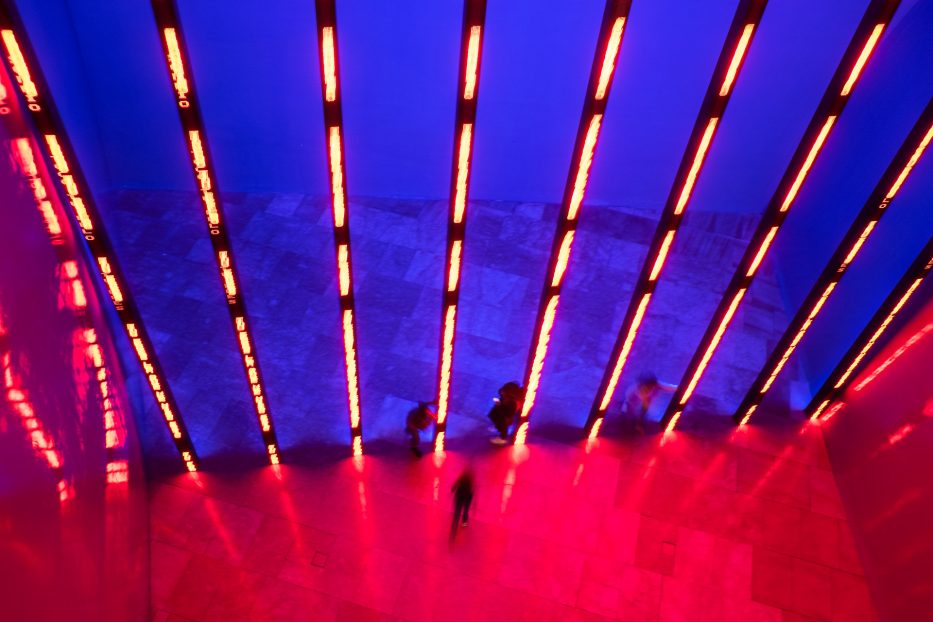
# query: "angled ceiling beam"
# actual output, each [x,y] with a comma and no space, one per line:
[603,68]
[23,64]
[471,46]
[891,181]
[738,40]
[828,399]
[333,122]
[859,50]
[178,63]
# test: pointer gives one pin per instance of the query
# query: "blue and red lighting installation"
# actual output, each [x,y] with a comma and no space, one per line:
[39,179]
[189,111]
[881,197]
[828,399]
[471,46]
[876,18]
[55,144]
[326,13]
[609,42]
[738,40]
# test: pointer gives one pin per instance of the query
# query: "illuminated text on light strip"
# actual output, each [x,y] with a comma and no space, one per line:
[463,171]
[20,68]
[176,66]
[819,410]
[800,333]
[454,276]
[357,446]
[736,60]
[469,83]
[609,60]
[540,352]
[862,59]
[330,64]
[563,256]
[349,348]
[447,353]
[695,167]
[897,354]
[27,162]
[884,325]
[252,372]
[811,156]
[910,164]
[594,431]
[623,355]
[199,159]
[112,286]
[858,243]
[227,273]
[712,346]
[336,176]
[761,251]
[343,269]
[583,169]
[68,182]
[149,370]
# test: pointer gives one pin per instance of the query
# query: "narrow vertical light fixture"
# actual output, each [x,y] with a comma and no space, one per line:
[189,113]
[326,13]
[734,50]
[834,100]
[602,71]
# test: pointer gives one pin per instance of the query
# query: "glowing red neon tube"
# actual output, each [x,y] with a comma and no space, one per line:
[739,38]
[20,60]
[471,45]
[874,209]
[601,73]
[333,123]
[834,99]
[179,66]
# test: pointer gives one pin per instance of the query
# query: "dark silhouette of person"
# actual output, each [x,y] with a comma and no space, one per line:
[463,490]
[418,419]
[642,394]
[505,410]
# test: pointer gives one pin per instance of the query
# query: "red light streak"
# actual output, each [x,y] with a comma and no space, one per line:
[336,176]
[707,355]
[447,351]
[176,67]
[453,277]
[223,257]
[626,348]
[609,60]
[910,164]
[897,354]
[20,69]
[762,250]
[563,256]
[112,286]
[858,244]
[27,162]
[330,64]
[463,171]
[343,269]
[583,170]
[862,59]
[737,57]
[469,83]
[538,361]
[71,188]
[811,157]
[349,347]
[662,255]
[697,163]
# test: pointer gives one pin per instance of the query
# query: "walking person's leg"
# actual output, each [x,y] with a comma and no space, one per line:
[466,510]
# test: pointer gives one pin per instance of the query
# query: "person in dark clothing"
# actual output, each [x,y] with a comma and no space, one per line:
[640,396]
[419,418]
[505,410]
[463,490]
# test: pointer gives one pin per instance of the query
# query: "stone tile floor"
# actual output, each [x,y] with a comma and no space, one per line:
[284,248]
[710,523]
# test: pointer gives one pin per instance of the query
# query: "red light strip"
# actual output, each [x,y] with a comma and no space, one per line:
[733,54]
[21,62]
[827,399]
[875,207]
[471,45]
[897,354]
[602,71]
[333,123]
[834,99]
[179,66]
